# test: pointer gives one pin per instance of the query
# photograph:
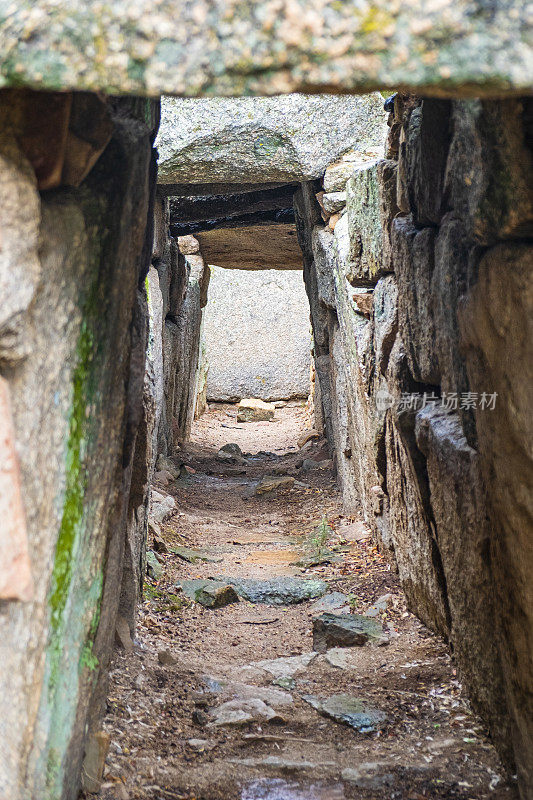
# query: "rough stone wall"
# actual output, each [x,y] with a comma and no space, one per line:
[183,281]
[420,285]
[257,335]
[72,342]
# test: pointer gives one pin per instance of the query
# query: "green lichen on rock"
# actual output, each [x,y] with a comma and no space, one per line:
[73,507]
[77,577]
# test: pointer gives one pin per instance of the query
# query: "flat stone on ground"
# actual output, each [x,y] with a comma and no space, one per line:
[286,667]
[242,711]
[353,711]
[209,593]
[333,601]
[271,483]
[255,410]
[278,591]
[344,630]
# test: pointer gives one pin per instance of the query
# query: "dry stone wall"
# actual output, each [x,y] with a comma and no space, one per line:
[183,282]
[420,294]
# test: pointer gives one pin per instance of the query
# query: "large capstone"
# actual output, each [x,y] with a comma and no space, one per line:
[260,140]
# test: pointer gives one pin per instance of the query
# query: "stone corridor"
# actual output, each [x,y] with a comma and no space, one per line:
[384,153]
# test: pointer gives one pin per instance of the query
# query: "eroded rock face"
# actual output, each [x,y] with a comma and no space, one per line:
[260,140]
[78,386]
[445,482]
[496,327]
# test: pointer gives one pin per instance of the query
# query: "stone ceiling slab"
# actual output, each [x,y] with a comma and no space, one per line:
[237,47]
[272,246]
[264,139]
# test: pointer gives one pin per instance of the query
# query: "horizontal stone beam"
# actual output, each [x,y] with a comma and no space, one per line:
[237,47]
[287,138]
[266,246]
[198,209]
[282,216]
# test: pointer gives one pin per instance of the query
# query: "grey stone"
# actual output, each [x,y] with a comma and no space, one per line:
[428,140]
[230,458]
[371,207]
[76,374]
[337,49]
[188,245]
[256,333]
[414,265]
[332,601]
[278,591]
[19,262]
[410,529]
[489,169]
[353,711]
[463,530]
[271,483]
[343,658]
[276,698]
[166,464]
[253,244]
[497,336]
[344,630]
[202,745]
[333,201]
[268,139]
[254,410]
[231,448]
[285,683]
[153,567]
[187,277]
[379,606]
[242,712]
[286,667]
[448,284]
[337,174]
[162,506]
[385,306]
[322,243]
[209,593]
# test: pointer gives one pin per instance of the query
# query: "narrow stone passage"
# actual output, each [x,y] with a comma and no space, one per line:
[233,689]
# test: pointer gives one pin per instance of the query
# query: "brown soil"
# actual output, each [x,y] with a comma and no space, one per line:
[432,746]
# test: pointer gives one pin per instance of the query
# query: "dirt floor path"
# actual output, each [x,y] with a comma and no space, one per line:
[233,701]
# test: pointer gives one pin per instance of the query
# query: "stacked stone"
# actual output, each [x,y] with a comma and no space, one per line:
[421,311]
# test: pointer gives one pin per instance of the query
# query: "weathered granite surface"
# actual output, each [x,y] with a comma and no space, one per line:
[75,410]
[263,139]
[257,335]
[446,490]
[225,47]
